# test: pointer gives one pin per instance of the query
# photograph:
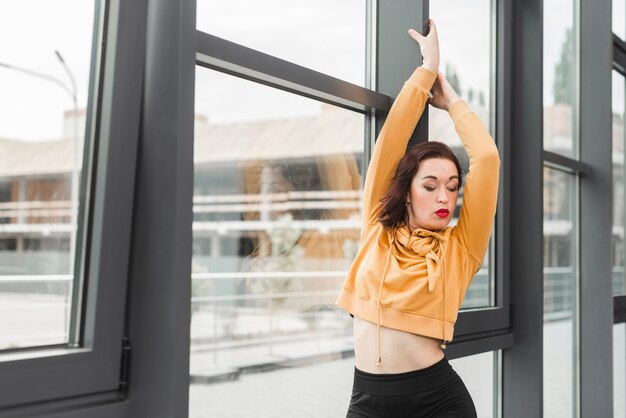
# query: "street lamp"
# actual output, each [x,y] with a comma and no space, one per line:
[74,179]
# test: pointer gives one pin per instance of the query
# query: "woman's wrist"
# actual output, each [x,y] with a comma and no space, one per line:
[453,100]
[430,65]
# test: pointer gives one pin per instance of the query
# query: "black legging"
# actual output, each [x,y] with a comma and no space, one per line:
[434,392]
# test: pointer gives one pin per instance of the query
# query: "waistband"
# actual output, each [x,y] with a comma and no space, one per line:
[425,379]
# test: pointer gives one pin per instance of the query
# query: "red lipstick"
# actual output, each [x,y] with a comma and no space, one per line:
[442,213]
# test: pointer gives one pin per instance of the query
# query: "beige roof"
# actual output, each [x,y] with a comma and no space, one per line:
[329,133]
[333,131]
[19,158]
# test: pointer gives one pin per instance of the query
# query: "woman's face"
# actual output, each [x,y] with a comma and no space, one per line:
[433,194]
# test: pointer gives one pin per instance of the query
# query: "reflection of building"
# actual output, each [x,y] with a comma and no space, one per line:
[557,201]
[248,174]
[35,202]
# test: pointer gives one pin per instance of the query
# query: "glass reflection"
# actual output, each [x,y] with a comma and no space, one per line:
[559,277]
[44,79]
[619,18]
[277,206]
[479,375]
[325,35]
[619,370]
[619,252]
[560,57]
[470,70]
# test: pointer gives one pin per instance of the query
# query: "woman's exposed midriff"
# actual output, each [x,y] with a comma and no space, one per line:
[401,351]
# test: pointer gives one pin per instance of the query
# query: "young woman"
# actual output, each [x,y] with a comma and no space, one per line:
[408,280]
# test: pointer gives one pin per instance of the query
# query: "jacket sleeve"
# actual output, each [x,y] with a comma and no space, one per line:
[480,193]
[392,140]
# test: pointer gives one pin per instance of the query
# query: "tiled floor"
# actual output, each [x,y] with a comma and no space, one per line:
[320,391]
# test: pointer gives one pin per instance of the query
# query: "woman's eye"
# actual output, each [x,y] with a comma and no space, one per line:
[453,189]
[429,188]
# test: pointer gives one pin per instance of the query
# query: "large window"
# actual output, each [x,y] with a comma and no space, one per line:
[45,87]
[277,208]
[560,275]
[274,231]
[68,136]
[276,226]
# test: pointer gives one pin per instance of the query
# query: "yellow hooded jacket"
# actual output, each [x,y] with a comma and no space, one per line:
[416,282]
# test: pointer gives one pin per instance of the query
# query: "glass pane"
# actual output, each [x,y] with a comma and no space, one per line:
[277,206]
[619,18]
[462,26]
[560,57]
[619,370]
[44,80]
[619,252]
[324,35]
[479,373]
[559,283]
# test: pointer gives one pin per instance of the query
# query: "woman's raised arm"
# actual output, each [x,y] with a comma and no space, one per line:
[480,193]
[400,124]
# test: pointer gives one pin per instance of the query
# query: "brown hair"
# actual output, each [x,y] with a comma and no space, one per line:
[393,213]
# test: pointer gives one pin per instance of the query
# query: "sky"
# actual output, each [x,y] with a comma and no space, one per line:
[31,108]
[306,33]
[301,32]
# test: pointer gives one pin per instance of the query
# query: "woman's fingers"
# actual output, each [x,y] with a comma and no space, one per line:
[429,46]
[415,35]
[432,31]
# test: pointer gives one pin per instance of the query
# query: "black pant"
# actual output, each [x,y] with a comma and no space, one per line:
[434,392]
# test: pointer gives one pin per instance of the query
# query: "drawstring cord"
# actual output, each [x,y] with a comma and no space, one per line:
[442,262]
[378,306]
[444,342]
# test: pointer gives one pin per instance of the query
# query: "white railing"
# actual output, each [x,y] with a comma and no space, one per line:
[245,319]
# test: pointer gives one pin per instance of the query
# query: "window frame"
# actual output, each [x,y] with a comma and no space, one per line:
[30,379]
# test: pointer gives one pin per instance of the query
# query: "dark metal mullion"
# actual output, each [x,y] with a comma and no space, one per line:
[619,53]
[503,43]
[397,55]
[619,309]
[481,343]
[481,320]
[160,286]
[503,88]
[231,58]
[566,164]
[97,405]
[522,389]
[596,189]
